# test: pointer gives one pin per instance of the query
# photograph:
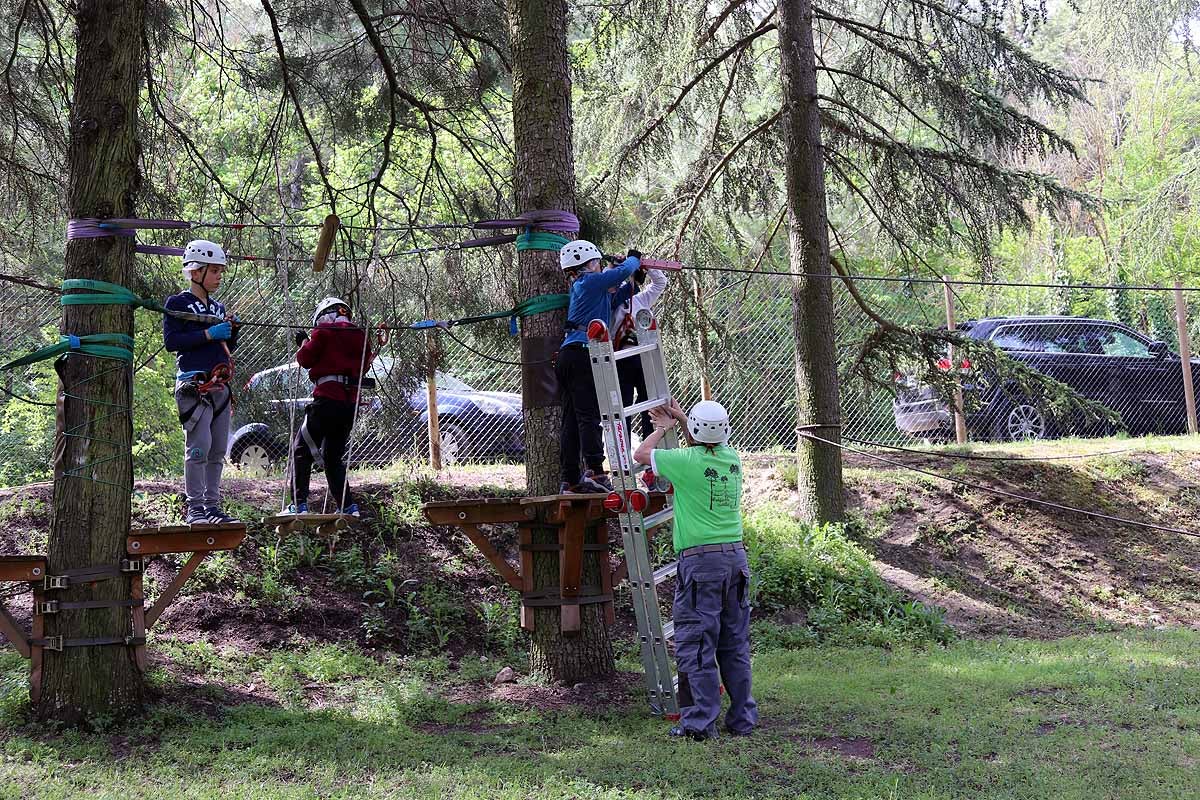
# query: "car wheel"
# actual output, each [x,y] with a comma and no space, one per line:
[256,457]
[1023,422]
[454,442]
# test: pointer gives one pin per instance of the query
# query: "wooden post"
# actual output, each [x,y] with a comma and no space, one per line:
[435,437]
[1185,357]
[960,420]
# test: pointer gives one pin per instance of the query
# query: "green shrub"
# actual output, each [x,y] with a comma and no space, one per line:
[819,570]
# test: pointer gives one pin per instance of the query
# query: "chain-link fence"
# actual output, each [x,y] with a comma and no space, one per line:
[1071,354]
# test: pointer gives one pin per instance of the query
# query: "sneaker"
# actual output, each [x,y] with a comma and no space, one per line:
[218,517]
[595,482]
[350,511]
[298,508]
[566,488]
[680,732]
[196,516]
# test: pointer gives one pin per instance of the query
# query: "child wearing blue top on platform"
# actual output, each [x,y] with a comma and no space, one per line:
[202,362]
[589,299]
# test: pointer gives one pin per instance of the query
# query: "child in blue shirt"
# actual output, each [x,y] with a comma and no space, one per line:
[581,437]
[202,355]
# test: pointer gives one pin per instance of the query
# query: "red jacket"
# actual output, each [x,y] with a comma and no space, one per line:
[336,349]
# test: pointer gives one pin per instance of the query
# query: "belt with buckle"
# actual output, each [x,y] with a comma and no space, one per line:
[724,547]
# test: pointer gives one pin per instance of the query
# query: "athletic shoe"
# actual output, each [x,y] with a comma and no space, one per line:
[566,488]
[594,482]
[680,732]
[196,516]
[218,517]
[351,511]
[298,508]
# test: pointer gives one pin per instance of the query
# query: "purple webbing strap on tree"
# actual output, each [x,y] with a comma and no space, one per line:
[558,221]
[88,228]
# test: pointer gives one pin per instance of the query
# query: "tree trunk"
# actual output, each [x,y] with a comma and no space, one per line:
[545,179]
[93,470]
[819,466]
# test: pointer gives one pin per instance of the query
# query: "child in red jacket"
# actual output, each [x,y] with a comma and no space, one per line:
[336,355]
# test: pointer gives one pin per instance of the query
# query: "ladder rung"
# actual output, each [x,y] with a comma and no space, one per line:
[654,520]
[662,573]
[638,408]
[668,630]
[636,350]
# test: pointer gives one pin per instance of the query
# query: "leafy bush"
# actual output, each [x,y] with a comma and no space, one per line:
[819,570]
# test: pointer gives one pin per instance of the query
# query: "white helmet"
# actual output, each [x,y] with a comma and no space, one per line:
[327,305]
[200,252]
[577,253]
[708,422]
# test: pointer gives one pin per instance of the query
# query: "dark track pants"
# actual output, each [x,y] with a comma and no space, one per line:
[581,434]
[328,424]
[712,640]
[633,379]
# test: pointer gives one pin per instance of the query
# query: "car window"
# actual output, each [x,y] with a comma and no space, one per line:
[1023,338]
[1118,343]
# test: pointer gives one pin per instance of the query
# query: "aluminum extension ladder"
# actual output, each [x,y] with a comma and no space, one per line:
[633,500]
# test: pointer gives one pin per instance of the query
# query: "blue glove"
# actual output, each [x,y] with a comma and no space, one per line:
[220,331]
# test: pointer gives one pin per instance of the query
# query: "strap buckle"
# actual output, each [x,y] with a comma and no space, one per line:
[54,582]
[46,607]
[133,565]
[54,643]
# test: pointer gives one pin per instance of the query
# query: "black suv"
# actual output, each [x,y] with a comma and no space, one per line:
[1140,379]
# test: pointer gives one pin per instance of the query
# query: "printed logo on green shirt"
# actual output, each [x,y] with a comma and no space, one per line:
[724,491]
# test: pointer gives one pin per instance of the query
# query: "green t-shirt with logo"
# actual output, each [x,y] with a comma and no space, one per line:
[708,493]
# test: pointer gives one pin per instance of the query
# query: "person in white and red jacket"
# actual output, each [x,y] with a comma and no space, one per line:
[337,355]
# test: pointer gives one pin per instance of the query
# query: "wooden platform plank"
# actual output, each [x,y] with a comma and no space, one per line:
[22,568]
[155,530]
[190,541]
[307,519]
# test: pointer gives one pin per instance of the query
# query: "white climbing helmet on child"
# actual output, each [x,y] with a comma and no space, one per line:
[327,305]
[201,252]
[708,422]
[577,253]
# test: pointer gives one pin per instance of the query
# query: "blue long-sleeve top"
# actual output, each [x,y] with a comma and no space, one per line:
[194,351]
[590,299]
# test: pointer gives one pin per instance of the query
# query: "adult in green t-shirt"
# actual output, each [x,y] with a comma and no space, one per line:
[712,599]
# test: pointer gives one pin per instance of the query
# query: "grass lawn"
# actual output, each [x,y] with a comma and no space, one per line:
[1103,716]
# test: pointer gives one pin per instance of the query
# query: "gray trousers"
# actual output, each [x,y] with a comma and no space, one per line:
[712,639]
[205,420]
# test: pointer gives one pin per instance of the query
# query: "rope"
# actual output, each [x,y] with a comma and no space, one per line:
[492,358]
[976,457]
[1001,492]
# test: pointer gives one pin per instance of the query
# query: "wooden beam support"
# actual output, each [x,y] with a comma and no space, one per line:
[485,546]
[13,632]
[35,651]
[477,512]
[570,566]
[173,588]
[156,541]
[599,531]
[137,592]
[526,537]
[22,568]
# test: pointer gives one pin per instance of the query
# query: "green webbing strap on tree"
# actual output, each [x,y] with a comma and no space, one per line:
[116,346]
[534,305]
[541,240]
[102,293]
